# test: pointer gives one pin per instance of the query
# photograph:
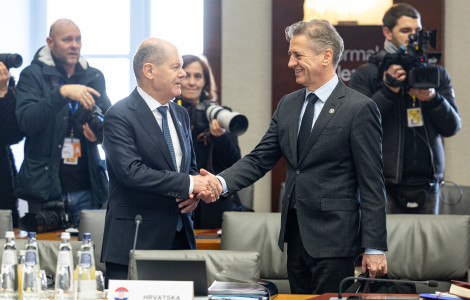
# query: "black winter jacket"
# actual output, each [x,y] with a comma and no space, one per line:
[440,115]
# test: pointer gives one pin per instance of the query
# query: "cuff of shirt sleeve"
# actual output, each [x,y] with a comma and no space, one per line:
[224,185]
[373,251]
[191,185]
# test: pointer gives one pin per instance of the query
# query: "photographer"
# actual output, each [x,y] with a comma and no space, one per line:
[413,120]
[215,148]
[9,134]
[61,159]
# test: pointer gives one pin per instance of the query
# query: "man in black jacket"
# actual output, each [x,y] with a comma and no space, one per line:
[413,120]
[61,158]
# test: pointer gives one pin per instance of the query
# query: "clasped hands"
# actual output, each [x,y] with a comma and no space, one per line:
[206,187]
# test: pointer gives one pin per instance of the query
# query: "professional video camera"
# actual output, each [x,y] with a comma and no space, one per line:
[54,216]
[415,59]
[11,60]
[94,118]
[204,112]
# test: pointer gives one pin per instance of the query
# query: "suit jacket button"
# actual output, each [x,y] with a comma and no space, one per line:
[297,172]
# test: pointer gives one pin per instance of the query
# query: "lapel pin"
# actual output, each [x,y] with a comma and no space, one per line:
[179,123]
[331,111]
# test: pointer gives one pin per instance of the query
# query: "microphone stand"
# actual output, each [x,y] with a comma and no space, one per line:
[138,220]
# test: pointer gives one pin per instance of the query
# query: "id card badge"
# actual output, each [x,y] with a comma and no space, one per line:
[414,116]
[71,151]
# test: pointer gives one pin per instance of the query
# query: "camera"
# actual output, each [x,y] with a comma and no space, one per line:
[11,60]
[415,58]
[54,216]
[204,112]
[94,118]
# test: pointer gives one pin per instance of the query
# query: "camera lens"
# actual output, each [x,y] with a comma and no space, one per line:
[11,60]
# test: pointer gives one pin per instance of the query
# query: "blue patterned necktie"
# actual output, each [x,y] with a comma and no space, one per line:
[306,124]
[166,133]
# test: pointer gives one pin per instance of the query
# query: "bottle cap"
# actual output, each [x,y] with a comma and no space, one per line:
[9,234]
[65,235]
[31,235]
[86,236]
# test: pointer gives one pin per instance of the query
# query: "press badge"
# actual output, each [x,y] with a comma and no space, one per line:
[71,151]
[415,119]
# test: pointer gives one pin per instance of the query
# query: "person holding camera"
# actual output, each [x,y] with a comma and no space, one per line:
[413,120]
[61,158]
[9,134]
[215,148]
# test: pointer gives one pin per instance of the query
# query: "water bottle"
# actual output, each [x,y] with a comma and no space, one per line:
[64,271]
[86,270]
[9,274]
[32,245]
[31,284]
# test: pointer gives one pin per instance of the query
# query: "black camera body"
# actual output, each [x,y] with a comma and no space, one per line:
[94,118]
[55,216]
[415,59]
[11,60]
[204,112]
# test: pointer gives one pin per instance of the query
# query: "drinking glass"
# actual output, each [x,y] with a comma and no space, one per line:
[99,284]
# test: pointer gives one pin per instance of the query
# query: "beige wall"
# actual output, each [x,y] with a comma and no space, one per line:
[246,75]
[457,63]
[246,78]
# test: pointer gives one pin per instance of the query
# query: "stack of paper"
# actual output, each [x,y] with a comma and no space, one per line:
[237,290]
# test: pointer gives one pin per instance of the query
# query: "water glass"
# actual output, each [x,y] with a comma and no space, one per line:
[99,284]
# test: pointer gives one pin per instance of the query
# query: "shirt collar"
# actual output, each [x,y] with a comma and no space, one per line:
[325,90]
[151,102]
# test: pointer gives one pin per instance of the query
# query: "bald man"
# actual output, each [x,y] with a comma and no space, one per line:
[151,163]
[55,95]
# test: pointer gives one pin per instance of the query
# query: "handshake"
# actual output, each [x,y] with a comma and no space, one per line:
[206,187]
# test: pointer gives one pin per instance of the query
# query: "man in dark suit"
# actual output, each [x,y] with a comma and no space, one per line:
[149,154]
[334,201]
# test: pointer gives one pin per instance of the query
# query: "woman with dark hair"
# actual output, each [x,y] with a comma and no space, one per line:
[9,134]
[215,148]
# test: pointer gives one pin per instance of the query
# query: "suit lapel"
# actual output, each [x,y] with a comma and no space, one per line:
[150,125]
[294,123]
[332,104]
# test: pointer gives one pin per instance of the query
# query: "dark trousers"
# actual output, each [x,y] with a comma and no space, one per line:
[119,272]
[309,275]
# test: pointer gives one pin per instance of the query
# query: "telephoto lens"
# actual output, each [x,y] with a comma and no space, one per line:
[11,60]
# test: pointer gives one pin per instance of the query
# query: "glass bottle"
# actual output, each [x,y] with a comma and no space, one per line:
[64,271]
[9,274]
[86,270]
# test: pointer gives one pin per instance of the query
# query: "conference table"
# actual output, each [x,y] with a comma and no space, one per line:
[206,239]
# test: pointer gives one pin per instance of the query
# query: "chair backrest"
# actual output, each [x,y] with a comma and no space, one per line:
[259,232]
[243,263]
[92,221]
[429,247]
[6,222]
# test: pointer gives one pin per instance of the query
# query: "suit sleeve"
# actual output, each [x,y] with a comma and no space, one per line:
[127,166]
[366,145]
[258,162]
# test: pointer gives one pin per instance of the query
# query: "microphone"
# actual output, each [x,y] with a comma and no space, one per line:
[138,220]
[431,283]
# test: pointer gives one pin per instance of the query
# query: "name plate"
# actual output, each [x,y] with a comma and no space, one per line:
[150,290]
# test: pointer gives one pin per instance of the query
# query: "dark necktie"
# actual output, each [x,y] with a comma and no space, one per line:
[166,133]
[306,125]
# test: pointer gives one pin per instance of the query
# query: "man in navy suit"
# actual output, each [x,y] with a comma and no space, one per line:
[151,163]
[333,206]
